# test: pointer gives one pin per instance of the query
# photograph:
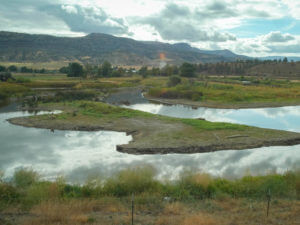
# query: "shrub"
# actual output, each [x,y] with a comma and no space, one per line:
[173,81]
[24,178]
[8,194]
[5,76]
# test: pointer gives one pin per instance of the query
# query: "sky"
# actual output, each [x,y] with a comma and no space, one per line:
[250,27]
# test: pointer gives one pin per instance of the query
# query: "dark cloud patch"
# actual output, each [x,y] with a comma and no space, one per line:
[257,13]
[217,9]
[178,23]
[294,48]
[87,20]
[278,37]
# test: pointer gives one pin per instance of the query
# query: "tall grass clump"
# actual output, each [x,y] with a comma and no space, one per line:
[133,180]
[191,186]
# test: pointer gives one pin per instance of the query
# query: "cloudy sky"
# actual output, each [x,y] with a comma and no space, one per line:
[250,27]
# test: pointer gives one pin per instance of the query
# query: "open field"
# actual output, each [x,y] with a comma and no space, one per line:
[155,134]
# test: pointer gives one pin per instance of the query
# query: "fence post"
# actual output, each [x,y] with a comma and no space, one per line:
[132,208]
[269,200]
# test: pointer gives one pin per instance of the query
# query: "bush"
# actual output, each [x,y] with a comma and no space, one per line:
[173,81]
[5,76]
[8,194]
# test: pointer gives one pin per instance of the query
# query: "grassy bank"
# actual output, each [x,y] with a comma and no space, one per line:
[192,199]
[231,92]
[154,134]
[12,90]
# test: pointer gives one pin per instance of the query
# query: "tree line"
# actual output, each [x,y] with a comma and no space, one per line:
[23,69]
[239,67]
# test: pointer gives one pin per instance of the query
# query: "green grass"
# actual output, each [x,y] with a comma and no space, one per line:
[103,110]
[206,125]
[11,90]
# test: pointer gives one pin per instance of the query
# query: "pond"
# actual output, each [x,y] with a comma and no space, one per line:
[81,155]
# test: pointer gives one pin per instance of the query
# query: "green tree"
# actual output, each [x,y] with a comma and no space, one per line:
[187,70]
[75,70]
[143,71]
[64,69]
[2,68]
[106,69]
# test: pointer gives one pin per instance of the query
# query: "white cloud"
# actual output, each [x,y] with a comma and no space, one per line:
[263,45]
[69,9]
[293,7]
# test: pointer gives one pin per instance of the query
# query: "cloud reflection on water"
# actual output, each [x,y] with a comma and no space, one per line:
[79,155]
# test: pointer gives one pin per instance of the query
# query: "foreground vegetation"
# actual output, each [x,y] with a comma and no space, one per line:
[192,199]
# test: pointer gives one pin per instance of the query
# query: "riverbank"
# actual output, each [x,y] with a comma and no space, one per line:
[220,105]
[228,95]
[155,134]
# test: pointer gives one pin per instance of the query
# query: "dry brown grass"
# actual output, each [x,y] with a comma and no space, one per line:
[71,212]
[202,179]
[176,208]
[199,219]
[209,212]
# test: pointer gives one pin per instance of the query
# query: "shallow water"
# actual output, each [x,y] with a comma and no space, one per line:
[81,155]
[282,118]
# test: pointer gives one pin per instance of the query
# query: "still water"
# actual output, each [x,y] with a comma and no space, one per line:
[82,155]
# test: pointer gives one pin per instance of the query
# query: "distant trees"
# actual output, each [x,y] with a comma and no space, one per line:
[12,68]
[24,69]
[75,70]
[64,69]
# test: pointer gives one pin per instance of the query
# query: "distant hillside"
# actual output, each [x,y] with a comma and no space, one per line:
[95,48]
[294,58]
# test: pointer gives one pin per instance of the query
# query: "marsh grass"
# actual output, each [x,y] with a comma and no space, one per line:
[11,90]
[230,92]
